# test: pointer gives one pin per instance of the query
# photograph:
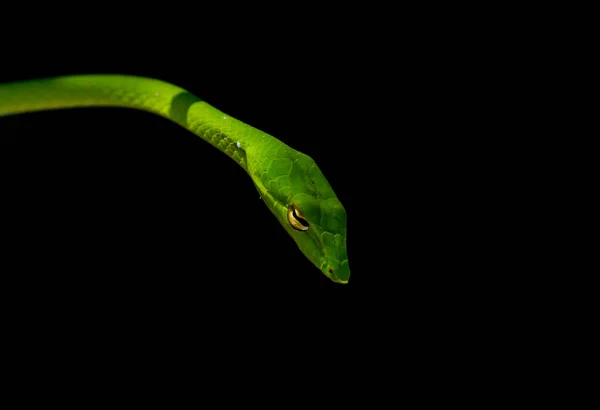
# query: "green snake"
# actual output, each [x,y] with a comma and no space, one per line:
[289,182]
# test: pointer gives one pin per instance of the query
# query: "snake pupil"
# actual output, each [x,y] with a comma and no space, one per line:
[299,219]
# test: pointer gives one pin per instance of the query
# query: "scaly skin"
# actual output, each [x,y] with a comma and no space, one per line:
[283,176]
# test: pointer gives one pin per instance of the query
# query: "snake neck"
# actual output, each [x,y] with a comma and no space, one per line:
[229,135]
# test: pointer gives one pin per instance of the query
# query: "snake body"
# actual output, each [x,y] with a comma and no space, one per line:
[289,182]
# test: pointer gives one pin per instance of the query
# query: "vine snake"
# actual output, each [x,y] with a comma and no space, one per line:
[289,182]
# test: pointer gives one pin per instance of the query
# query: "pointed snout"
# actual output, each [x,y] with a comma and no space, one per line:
[336,271]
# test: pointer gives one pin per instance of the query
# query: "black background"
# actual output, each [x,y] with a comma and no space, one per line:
[139,238]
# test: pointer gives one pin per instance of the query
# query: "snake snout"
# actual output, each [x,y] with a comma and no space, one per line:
[337,272]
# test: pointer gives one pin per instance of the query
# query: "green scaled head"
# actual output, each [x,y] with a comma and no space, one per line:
[302,200]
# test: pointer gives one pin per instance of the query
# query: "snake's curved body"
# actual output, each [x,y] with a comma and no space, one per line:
[289,182]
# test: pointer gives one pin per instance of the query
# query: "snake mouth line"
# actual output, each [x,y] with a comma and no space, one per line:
[335,279]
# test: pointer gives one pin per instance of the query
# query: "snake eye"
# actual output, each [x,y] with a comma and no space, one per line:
[296,219]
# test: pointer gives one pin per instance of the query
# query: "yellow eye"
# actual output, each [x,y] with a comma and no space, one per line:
[296,219]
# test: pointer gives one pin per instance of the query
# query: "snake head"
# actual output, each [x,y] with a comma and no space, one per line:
[298,194]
